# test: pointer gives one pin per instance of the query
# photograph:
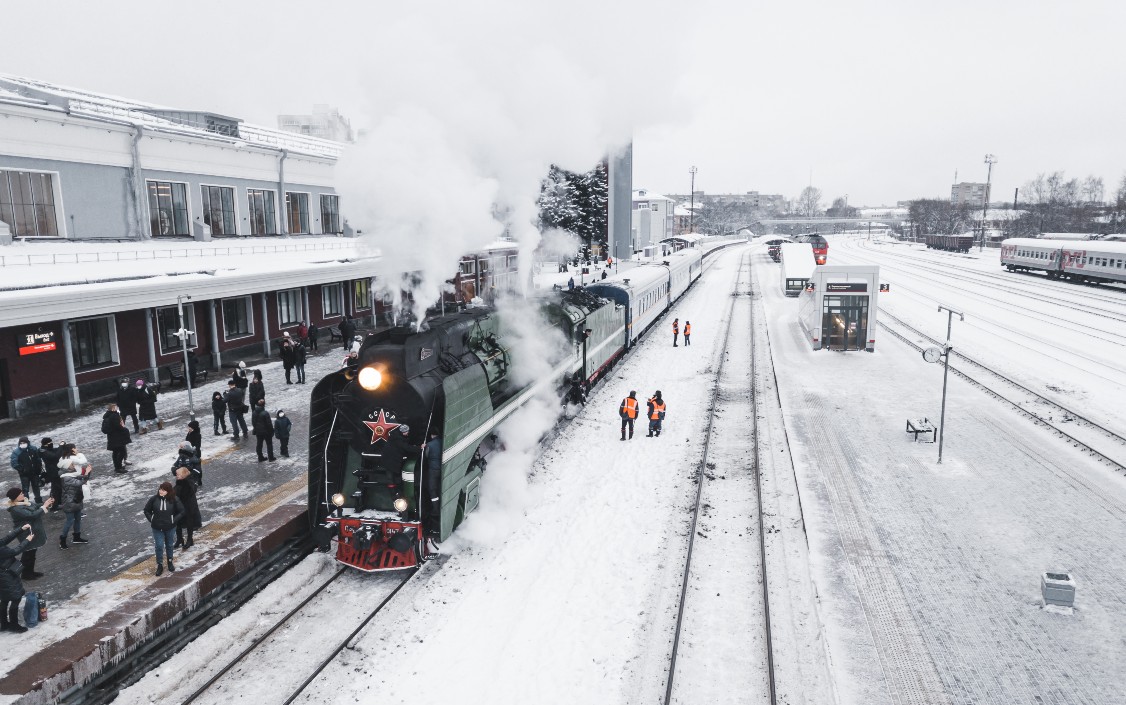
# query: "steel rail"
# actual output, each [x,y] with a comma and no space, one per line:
[998,395]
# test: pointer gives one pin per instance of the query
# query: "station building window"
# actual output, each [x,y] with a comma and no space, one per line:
[93,342]
[168,208]
[332,301]
[361,294]
[290,309]
[297,212]
[27,203]
[262,212]
[330,214]
[168,324]
[219,210]
[238,318]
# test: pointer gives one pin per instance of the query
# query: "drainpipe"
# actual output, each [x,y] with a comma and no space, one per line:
[282,222]
[138,219]
[216,357]
[154,374]
[73,399]
[265,328]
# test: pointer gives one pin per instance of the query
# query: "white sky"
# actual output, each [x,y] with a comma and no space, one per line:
[877,99]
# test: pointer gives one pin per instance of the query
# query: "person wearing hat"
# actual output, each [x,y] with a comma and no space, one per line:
[11,587]
[25,512]
[26,462]
[49,454]
[628,411]
[74,469]
[187,457]
[127,403]
[146,403]
[289,358]
[192,520]
[282,426]
[195,438]
[656,414]
[239,376]
[396,451]
[117,437]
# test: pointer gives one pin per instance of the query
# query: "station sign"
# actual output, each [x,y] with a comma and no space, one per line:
[846,287]
[37,342]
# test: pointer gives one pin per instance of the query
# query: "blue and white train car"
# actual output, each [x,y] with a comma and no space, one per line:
[642,291]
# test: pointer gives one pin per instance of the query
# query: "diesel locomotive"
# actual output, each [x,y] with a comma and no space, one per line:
[453,380]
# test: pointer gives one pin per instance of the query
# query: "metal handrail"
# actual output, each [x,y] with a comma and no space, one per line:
[7,260]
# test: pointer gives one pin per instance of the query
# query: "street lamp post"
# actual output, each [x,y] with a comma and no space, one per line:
[946,348]
[990,160]
[184,335]
[692,200]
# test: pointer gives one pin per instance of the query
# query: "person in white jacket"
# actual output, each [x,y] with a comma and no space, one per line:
[74,470]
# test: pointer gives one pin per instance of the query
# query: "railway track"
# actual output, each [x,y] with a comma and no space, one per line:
[1103,443]
[260,656]
[696,641]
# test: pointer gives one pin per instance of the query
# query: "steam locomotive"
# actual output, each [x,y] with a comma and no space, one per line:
[454,378]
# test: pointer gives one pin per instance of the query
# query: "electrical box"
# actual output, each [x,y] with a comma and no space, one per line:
[1058,589]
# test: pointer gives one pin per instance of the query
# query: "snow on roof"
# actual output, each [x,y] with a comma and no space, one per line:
[40,280]
[644,195]
[689,238]
[84,103]
[680,209]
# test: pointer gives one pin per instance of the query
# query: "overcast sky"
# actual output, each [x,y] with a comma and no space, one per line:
[881,100]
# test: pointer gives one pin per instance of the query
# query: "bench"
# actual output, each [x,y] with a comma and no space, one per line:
[176,372]
[921,426]
[335,334]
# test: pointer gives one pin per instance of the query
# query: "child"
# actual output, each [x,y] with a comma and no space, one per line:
[219,413]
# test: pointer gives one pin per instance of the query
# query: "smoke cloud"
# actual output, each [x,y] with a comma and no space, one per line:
[468,104]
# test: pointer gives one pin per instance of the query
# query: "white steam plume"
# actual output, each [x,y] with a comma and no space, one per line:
[470,103]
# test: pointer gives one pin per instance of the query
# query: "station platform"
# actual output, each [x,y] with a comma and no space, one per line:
[103,597]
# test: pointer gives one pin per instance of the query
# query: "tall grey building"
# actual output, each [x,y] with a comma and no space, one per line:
[966,192]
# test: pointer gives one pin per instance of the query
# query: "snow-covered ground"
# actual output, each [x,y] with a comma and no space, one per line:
[926,574]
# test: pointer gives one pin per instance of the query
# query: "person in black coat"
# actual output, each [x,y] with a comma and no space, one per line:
[313,333]
[163,511]
[299,362]
[127,404]
[236,407]
[26,462]
[282,426]
[193,366]
[263,429]
[186,458]
[11,587]
[49,455]
[117,437]
[239,376]
[219,413]
[192,520]
[195,438]
[432,486]
[256,392]
[289,359]
[348,330]
[145,394]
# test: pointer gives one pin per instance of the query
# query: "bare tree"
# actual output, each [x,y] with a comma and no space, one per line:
[1093,189]
[809,202]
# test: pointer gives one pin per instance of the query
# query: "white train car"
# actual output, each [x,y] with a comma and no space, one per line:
[1099,262]
[684,269]
[1079,260]
[644,293]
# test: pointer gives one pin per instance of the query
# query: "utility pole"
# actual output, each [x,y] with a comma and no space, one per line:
[990,160]
[185,335]
[946,348]
[692,200]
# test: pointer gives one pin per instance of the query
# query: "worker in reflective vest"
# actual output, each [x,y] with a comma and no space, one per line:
[656,414]
[628,412]
[675,331]
[687,333]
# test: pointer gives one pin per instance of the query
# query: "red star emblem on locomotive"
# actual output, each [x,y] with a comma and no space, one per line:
[380,427]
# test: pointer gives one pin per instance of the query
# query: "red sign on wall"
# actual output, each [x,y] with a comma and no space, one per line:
[32,349]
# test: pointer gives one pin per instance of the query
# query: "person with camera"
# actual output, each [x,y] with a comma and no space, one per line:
[74,469]
[11,586]
[27,513]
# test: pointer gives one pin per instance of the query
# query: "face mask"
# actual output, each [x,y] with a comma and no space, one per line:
[23,445]
[124,385]
[281,414]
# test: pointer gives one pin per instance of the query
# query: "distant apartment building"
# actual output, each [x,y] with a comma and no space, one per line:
[965,192]
[750,199]
[325,123]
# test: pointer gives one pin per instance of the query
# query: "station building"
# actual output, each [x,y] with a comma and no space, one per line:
[114,213]
[837,308]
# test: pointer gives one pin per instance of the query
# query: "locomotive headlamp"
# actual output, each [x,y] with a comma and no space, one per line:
[338,499]
[400,505]
[370,378]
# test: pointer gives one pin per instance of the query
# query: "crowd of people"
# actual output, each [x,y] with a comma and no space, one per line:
[62,473]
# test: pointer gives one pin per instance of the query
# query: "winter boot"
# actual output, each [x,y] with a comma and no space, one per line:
[179,542]
[159,569]
[160,424]
[62,542]
[78,539]
[171,568]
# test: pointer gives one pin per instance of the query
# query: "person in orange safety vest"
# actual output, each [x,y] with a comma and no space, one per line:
[687,333]
[675,331]
[628,412]
[656,414]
